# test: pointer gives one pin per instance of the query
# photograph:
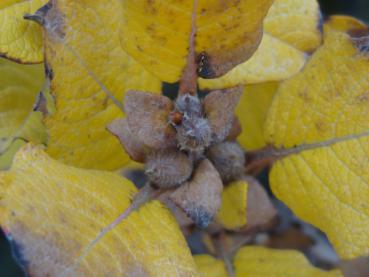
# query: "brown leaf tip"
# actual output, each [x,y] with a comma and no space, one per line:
[200,216]
[360,38]
[51,19]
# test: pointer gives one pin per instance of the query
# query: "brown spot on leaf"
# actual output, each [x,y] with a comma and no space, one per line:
[204,68]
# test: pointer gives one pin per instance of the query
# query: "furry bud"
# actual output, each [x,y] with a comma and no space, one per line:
[193,132]
[189,104]
[168,168]
[229,159]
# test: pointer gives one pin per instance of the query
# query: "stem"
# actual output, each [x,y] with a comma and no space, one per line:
[259,159]
[188,82]
[146,194]
[222,253]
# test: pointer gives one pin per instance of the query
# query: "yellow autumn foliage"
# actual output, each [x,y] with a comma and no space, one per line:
[291,28]
[209,266]
[157,34]
[232,213]
[252,111]
[83,65]
[256,261]
[52,211]
[20,39]
[19,87]
[322,117]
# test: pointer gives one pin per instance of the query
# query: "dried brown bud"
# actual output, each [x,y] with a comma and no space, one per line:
[168,168]
[200,198]
[229,159]
[236,129]
[147,117]
[133,146]
[219,107]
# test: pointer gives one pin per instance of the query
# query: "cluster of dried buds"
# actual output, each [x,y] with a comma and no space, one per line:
[187,145]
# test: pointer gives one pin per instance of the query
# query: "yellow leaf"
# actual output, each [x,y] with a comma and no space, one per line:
[232,213]
[84,49]
[157,34]
[254,261]
[343,23]
[20,39]
[322,117]
[252,111]
[291,28]
[296,22]
[245,206]
[19,87]
[273,61]
[51,211]
[208,266]
[6,157]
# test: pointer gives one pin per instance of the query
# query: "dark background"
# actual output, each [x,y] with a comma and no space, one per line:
[357,8]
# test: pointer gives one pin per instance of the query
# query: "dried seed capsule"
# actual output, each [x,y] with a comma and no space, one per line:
[168,168]
[229,159]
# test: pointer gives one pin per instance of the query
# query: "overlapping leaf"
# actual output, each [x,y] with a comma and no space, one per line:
[83,49]
[291,29]
[208,266]
[322,117]
[20,39]
[252,111]
[233,211]
[245,206]
[252,261]
[19,87]
[157,33]
[51,211]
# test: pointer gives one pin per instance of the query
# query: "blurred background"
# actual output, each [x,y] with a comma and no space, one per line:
[357,8]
